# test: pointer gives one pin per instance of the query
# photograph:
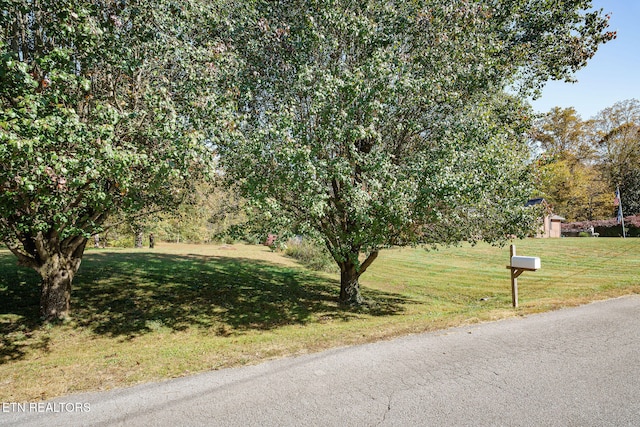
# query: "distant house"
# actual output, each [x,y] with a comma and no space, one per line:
[551,223]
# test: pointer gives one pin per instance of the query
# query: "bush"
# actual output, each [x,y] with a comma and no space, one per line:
[312,255]
[605,228]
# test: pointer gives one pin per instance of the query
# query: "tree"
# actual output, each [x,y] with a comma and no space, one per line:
[209,213]
[380,123]
[617,142]
[562,132]
[574,189]
[568,178]
[630,192]
[101,106]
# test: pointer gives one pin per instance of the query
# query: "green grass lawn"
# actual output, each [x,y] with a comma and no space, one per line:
[141,315]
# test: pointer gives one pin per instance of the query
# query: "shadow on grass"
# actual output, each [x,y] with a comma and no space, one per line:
[19,309]
[129,294]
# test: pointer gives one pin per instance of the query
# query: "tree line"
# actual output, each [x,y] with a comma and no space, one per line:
[581,163]
[365,124]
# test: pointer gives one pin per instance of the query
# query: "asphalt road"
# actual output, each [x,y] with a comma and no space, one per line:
[573,367]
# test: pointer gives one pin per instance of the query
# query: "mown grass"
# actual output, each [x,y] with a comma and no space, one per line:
[142,315]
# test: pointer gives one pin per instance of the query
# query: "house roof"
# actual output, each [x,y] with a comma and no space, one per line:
[533,202]
[542,201]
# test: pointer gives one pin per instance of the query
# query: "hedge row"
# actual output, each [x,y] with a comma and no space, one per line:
[605,228]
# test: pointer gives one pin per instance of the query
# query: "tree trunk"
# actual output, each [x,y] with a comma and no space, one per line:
[57,274]
[57,262]
[139,236]
[349,279]
[56,291]
[349,285]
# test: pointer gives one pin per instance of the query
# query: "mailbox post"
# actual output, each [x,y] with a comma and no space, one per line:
[518,265]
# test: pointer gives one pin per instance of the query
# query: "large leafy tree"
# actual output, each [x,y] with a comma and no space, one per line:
[378,123]
[100,113]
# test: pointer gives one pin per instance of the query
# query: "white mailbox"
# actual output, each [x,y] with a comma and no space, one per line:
[525,262]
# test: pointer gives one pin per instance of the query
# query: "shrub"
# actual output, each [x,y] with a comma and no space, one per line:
[605,228]
[312,255]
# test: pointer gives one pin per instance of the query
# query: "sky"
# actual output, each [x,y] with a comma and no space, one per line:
[612,75]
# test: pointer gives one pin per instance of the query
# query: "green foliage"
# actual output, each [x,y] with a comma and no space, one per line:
[101,113]
[574,189]
[566,176]
[583,162]
[94,112]
[101,108]
[206,215]
[630,189]
[618,147]
[312,255]
[562,133]
[387,123]
[604,228]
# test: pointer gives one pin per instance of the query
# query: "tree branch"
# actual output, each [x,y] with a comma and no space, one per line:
[23,258]
[38,242]
[367,262]
[71,244]
[129,218]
